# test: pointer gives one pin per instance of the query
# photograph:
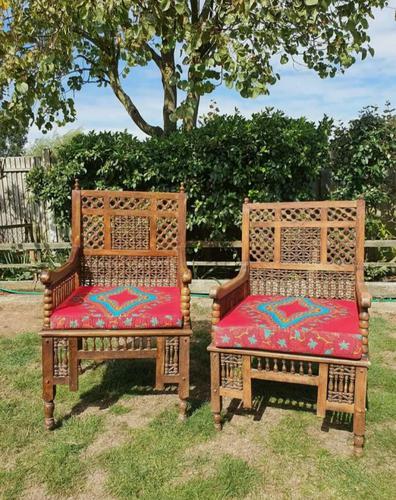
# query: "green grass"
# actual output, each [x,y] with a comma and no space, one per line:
[163,458]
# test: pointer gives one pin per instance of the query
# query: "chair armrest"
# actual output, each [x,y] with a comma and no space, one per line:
[363,296]
[52,277]
[222,291]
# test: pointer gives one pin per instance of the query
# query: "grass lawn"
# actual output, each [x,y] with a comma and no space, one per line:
[119,439]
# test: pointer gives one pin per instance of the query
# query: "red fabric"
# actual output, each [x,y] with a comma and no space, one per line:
[121,308]
[293,324]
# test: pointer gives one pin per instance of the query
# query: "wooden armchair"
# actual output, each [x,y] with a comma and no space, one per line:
[298,310]
[123,293]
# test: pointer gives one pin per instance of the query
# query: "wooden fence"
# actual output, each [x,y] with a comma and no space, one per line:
[37,249]
[21,220]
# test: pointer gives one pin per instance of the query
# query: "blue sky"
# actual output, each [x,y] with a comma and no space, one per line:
[299,92]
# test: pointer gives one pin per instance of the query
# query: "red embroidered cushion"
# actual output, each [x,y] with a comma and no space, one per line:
[121,308]
[293,324]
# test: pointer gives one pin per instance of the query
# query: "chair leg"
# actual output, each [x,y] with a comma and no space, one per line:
[247,383]
[160,364]
[184,372]
[322,390]
[216,399]
[359,416]
[49,388]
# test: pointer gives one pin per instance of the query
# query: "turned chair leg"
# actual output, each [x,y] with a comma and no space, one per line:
[184,371]
[160,364]
[49,388]
[49,408]
[359,416]
[215,399]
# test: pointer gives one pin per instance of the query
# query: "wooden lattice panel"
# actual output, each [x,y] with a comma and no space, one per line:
[129,203]
[130,232]
[172,346]
[114,343]
[341,243]
[302,283]
[341,385]
[300,244]
[231,371]
[262,215]
[167,233]
[92,202]
[300,214]
[293,367]
[61,357]
[111,270]
[93,231]
[261,244]
[167,205]
[341,213]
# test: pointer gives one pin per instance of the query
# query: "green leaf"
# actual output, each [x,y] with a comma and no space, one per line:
[22,87]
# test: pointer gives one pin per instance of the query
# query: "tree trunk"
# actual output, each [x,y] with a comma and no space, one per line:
[170,91]
[131,109]
[190,121]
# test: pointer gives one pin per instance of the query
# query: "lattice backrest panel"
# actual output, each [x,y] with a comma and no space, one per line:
[315,239]
[129,222]
[130,236]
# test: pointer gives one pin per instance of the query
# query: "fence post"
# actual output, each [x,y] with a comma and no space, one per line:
[46,159]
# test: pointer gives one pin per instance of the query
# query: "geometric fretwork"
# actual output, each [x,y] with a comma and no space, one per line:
[129,232]
[167,233]
[93,231]
[300,244]
[300,214]
[262,244]
[341,242]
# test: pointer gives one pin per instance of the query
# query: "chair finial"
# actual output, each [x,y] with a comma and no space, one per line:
[76,184]
[246,200]
[182,190]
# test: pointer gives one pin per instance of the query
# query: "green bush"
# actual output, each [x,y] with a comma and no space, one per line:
[270,157]
[363,163]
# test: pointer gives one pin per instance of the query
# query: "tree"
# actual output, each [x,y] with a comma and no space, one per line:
[49,50]
[12,139]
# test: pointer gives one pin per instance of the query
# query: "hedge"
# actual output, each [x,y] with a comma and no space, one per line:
[270,157]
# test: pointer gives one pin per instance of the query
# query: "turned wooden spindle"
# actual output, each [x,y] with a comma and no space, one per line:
[363,327]
[215,313]
[185,303]
[48,306]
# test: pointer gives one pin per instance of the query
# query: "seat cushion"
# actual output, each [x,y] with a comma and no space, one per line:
[121,308]
[293,324]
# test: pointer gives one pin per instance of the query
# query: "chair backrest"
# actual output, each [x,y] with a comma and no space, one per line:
[128,237]
[311,249]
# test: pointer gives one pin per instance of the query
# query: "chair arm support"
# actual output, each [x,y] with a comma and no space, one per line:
[363,296]
[185,274]
[51,277]
[222,291]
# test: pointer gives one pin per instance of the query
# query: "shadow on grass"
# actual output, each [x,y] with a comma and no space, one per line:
[136,378]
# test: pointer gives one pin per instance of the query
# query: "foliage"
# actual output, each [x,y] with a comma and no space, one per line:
[12,138]
[221,163]
[363,155]
[50,50]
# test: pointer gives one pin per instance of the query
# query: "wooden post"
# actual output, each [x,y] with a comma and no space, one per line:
[184,373]
[359,416]
[246,382]
[322,390]
[216,399]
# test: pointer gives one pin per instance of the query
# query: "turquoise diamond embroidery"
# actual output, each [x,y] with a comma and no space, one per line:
[122,299]
[273,310]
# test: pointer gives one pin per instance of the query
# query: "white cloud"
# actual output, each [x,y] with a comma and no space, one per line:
[299,92]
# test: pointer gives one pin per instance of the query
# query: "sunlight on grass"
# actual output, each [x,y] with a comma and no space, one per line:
[295,457]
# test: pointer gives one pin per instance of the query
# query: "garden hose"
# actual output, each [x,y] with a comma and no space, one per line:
[201,295]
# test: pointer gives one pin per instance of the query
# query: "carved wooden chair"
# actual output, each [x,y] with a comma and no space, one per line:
[123,292]
[298,310]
